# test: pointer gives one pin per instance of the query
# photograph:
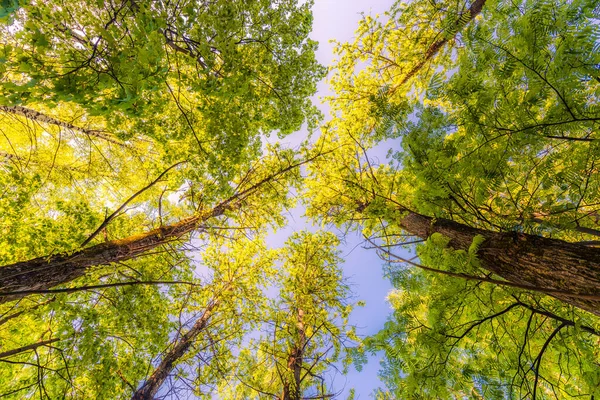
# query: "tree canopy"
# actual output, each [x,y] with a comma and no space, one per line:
[138,195]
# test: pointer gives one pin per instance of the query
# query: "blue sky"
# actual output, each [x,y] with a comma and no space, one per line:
[336,19]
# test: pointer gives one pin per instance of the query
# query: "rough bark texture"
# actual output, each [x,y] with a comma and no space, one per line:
[524,259]
[45,272]
[42,118]
[170,360]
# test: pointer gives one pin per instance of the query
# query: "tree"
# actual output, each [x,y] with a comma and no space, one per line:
[232,301]
[493,117]
[131,157]
[131,134]
[90,118]
[304,328]
[97,341]
[40,274]
[130,59]
[112,107]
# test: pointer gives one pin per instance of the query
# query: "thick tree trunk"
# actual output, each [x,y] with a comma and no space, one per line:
[170,360]
[524,259]
[45,272]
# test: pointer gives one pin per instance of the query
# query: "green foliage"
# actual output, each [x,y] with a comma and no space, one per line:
[133,116]
[154,111]
[212,77]
[496,130]
[305,325]
[452,339]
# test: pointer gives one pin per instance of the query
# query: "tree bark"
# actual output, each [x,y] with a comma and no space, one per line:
[169,361]
[42,118]
[45,272]
[524,259]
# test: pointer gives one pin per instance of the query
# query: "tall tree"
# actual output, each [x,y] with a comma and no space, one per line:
[99,337]
[494,163]
[101,99]
[305,328]
[128,59]
[39,274]
[226,307]
[131,132]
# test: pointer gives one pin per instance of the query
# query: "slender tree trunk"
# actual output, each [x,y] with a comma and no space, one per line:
[170,360]
[524,259]
[291,390]
[473,11]
[37,116]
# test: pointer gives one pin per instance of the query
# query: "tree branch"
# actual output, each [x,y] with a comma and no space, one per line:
[92,287]
[42,118]
[28,347]
[118,210]
[539,357]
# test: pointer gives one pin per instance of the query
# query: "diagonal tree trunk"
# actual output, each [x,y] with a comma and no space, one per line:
[45,272]
[37,116]
[151,386]
[573,270]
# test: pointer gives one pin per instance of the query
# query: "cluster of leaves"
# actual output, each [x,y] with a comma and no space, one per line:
[125,117]
[490,109]
[129,125]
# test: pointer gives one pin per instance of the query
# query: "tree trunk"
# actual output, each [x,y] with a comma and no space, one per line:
[291,391]
[169,361]
[36,116]
[524,259]
[45,272]
[434,48]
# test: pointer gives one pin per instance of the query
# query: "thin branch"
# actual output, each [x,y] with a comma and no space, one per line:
[118,210]
[557,318]
[42,118]
[28,347]
[15,315]
[539,357]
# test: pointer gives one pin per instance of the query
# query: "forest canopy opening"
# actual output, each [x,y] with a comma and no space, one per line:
[140,200]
